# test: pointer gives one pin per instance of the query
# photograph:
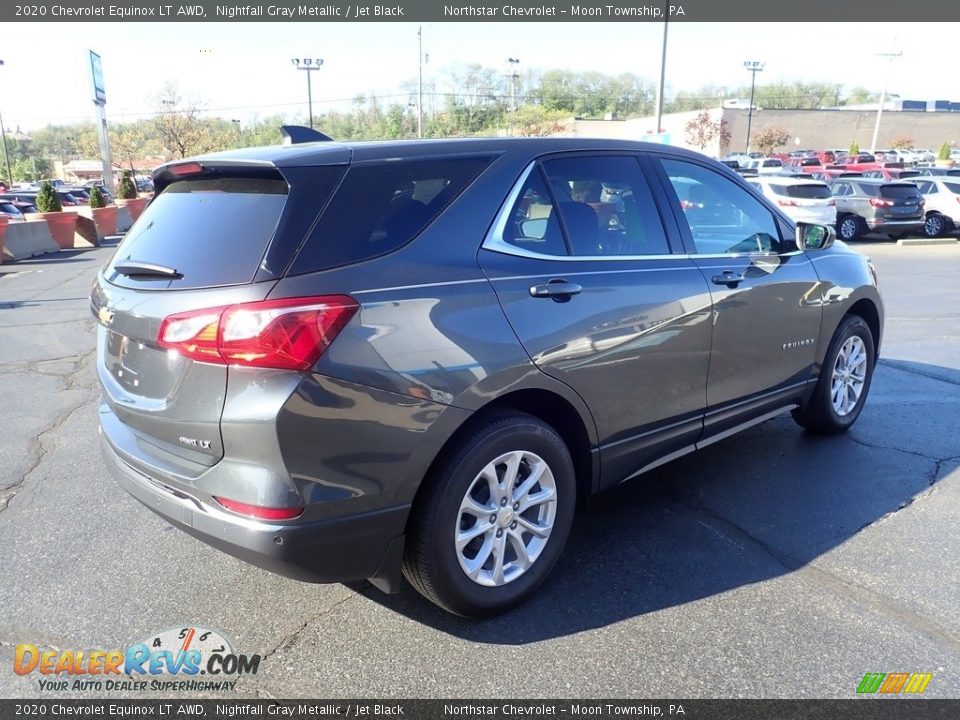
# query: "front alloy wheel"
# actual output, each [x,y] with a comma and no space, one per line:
[849,376]
[849,228]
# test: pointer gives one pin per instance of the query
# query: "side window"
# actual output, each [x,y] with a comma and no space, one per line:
[927,187]
[533,224]
[722,216]
[840,189]
[605,206]
[382,206]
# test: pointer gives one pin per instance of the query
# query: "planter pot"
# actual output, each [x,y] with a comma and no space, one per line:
[61,225]
[3,229]
[106,220]
[134,206]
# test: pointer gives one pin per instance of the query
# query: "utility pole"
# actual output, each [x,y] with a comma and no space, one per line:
[6,155]
[514,62]
[420,81]
[883,97]
[310,65]
[754,66]
[663,71]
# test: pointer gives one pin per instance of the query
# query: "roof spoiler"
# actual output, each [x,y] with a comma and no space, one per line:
[296,134]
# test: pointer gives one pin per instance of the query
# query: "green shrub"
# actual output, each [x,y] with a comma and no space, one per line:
[854,148]
[128,188]
[96,198]
[944,152]
[47,199]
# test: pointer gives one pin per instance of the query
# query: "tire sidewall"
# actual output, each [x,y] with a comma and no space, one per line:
[849,327]
[463,592]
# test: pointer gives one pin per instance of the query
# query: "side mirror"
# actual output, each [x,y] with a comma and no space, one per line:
[814,237]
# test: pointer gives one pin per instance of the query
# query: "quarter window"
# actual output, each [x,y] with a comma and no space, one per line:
[723,218]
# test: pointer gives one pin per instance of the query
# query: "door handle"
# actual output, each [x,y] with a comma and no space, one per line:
[728,278]
[557,290]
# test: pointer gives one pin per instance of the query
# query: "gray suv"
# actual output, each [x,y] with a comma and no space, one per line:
[371,360]
[876,205]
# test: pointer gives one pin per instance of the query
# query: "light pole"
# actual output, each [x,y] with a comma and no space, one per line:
[420,82]
[883,97]
[754,66]
[663,72]
[308,64]
[514,62]
[6,155]
[236,127]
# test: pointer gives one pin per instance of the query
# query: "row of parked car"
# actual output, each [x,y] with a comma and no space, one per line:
[16,203]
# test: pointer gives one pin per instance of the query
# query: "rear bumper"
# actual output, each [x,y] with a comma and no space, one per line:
[355,547]
[898,225]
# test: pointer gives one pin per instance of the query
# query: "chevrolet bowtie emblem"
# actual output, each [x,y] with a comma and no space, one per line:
[105,315]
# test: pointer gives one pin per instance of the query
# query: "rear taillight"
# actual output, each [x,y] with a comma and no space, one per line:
[786,203]
[831,203]
[876,202]
[259,511]
[288,334]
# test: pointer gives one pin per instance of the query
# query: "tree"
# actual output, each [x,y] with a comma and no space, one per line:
[902,142]
[96,198]
[703,130]
[769,139]
[854,148]
[127,189]
[47,199]
[537,121]
[179,125]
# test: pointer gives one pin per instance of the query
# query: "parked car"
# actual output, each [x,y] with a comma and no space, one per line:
[419,355]
[802,199]
[941,197]
[939,171]
[873,205]
[765,166]
[829,176]
[11,211]
[888,173]
[30,196]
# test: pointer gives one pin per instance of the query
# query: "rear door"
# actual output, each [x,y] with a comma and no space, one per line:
[766,294]
[580,260]
[200,244]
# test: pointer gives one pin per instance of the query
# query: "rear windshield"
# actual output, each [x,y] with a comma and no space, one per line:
[952,187]
[772,163]
[383,206]
[805,192]
[900,192]
[212,231]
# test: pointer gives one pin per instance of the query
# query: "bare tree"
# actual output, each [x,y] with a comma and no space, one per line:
[703,129]
[769,139]
[179,125]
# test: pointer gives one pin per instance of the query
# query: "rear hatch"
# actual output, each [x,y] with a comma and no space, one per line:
[212,237]
[899,201]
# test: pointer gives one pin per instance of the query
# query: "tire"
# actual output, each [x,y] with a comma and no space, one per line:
[437,565]
[828,413]
[850,228]
[935,225]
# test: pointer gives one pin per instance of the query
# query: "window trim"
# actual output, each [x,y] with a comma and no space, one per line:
[494,241]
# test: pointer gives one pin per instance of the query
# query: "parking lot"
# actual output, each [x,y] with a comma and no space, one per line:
[772,564]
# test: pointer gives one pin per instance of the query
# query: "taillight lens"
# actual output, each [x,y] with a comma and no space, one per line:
[259,511]
[288,334]
[786,203]
[876,202]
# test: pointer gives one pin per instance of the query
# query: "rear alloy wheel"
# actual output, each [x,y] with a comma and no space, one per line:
[850,228]
[935,225]
[491,523]
[844,381]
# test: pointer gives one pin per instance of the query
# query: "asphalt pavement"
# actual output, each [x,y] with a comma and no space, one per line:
[772,564]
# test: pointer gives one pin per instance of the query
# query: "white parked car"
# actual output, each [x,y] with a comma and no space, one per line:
[802,199]
[765,166]
[941,195]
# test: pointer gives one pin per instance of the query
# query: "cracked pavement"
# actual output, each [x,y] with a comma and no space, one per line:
[772,564]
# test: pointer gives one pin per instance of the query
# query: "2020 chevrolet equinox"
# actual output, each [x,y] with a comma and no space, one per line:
[348,361]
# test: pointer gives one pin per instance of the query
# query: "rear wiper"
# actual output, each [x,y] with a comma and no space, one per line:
[133,268]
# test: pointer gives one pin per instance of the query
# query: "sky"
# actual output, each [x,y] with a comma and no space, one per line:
[243,70]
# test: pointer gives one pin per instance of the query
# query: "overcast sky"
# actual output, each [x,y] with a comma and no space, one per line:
[239,70]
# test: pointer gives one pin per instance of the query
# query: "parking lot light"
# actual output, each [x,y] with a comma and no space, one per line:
[754,66]
[6,154]
[308,64]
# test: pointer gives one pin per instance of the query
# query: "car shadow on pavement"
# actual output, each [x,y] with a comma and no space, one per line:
[745,510]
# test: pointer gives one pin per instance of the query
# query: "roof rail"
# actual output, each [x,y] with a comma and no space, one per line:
[296,134]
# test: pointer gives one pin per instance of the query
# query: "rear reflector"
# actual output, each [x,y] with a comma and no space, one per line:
[260,512]
[288,334]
